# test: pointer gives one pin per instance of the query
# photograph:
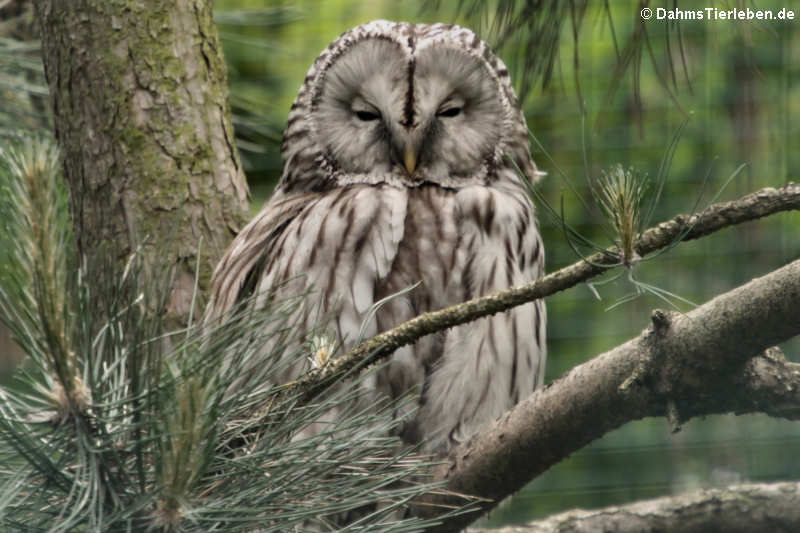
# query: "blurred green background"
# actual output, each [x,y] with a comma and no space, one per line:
[737,83]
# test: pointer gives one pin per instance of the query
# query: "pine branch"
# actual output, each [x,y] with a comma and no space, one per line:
[718,216]
[107,427]
[681,367]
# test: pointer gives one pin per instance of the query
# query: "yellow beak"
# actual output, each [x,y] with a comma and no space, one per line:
[410,160]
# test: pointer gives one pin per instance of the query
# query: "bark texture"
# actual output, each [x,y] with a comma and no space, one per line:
[139,96]
[738,509]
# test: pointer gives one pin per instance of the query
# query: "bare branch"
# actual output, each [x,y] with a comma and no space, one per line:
[693,364]
[771,507]
[716,217]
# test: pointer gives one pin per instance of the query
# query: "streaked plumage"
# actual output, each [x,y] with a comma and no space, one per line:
[403,154]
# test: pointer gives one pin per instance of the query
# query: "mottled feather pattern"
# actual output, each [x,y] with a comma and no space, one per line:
[354,220]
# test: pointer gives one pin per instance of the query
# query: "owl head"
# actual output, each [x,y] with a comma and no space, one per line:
[404,104]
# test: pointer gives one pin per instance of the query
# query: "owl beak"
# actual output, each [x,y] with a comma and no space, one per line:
[410,160]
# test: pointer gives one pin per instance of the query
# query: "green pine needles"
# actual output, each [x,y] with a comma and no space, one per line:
[619,194]
[112,424]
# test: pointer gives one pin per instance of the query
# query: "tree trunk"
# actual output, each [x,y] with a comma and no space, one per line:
[139,96]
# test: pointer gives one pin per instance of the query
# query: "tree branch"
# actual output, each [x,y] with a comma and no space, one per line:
[716,217]
[682,366]
[771,507]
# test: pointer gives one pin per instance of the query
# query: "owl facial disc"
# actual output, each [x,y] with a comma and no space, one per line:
[404,104]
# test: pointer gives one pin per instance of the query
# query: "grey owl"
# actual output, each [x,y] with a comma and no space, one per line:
[405,160]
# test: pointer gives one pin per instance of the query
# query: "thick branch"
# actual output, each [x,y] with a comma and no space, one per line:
[682,366]
[743,508]
[716,217]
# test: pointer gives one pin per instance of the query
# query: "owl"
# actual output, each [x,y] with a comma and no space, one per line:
[406,162]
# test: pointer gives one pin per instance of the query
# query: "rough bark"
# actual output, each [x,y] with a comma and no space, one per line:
[771,507]
[139,96]
[682,366]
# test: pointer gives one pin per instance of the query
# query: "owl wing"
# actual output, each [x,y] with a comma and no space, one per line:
[243,263]
[335,245]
